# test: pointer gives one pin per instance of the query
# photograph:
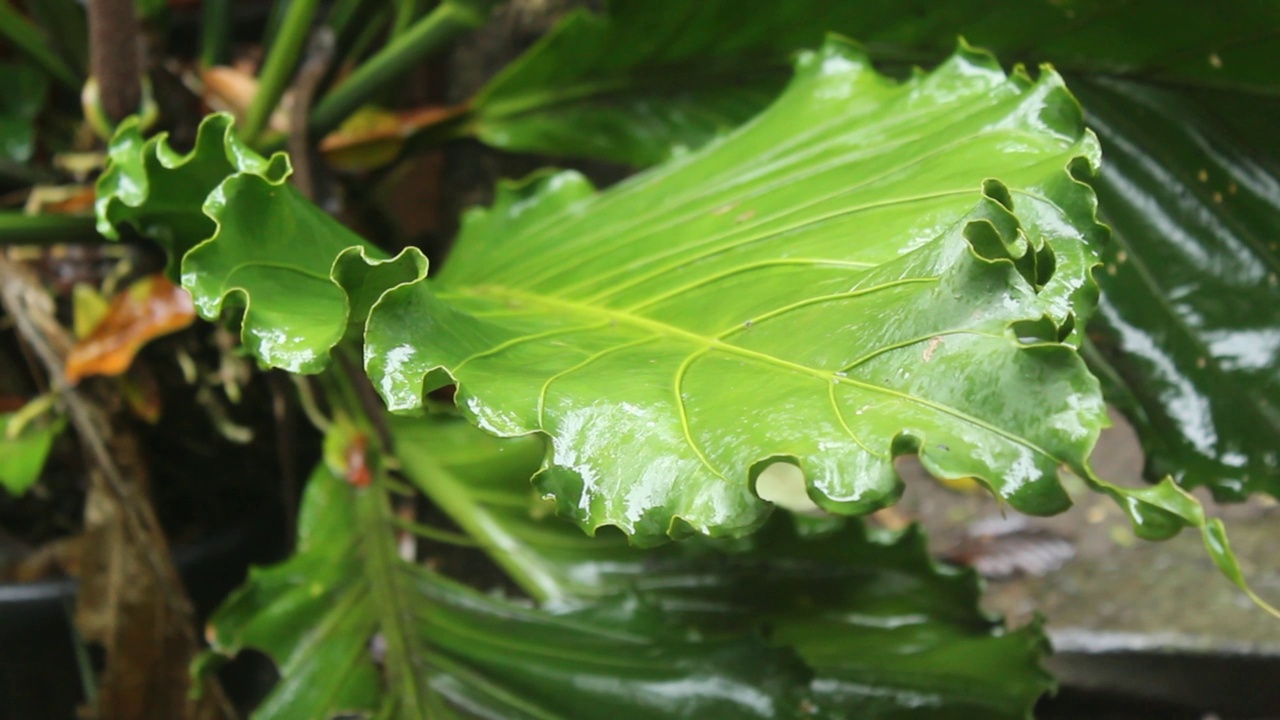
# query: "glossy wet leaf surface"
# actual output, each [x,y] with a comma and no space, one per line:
[887,632]
[1189,328]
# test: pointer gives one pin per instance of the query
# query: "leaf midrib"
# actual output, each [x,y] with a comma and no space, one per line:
[383,578]
[708,343]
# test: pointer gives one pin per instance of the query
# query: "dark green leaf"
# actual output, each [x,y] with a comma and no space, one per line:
[23,37]
[356,630]
[890,633]
[649,78]
[65,23]
[25,89]
[1190,322]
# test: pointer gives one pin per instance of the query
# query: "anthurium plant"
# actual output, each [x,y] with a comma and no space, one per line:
[835,252]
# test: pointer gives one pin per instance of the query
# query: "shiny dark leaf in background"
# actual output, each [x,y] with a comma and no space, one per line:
[1189,326]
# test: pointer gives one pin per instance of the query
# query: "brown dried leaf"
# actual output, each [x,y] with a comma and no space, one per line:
[147,309]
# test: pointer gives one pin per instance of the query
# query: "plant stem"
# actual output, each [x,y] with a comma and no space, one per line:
[19,229]
[279,66]
[275,18]
[23,416]
[27,39]
[341,13]
[434,533]
[365,37]
[307,401]
[14,173]
[449,20]
[446,490]
[113,57]
[216,33]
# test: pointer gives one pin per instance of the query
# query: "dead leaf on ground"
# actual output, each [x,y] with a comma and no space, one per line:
[147,309]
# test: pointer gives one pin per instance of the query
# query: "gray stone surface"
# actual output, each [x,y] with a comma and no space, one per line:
[1143,619]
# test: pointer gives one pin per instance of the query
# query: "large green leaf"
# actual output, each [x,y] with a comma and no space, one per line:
[1182,93]
[839,282]
[654,77]
[888,632]
[355,630]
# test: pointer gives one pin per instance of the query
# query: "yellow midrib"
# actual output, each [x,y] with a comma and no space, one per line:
[714,343]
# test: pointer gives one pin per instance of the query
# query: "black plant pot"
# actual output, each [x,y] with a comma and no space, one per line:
[40,675]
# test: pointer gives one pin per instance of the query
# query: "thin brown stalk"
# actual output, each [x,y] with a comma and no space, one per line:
[113,56]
